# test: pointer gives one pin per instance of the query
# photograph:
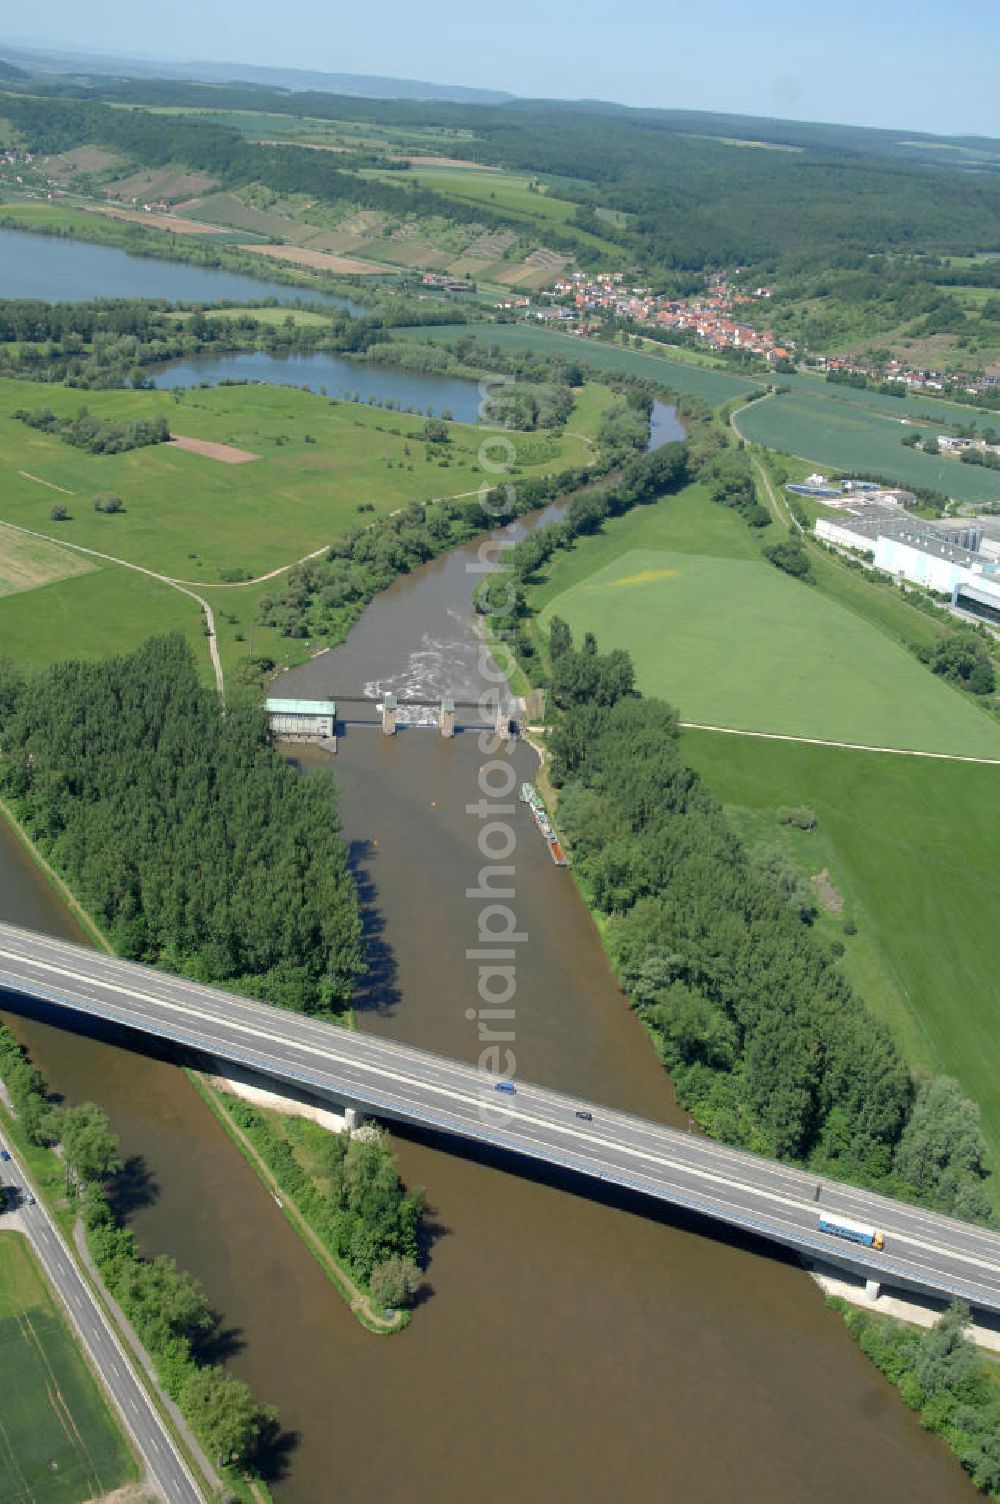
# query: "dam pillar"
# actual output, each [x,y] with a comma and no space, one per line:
[389,715]
[446,717]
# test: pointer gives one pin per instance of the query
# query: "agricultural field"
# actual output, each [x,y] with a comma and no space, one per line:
[58,1441]
[712,385]
[26,563]
[939,412]
[732,641]
[912,848]
[844,435]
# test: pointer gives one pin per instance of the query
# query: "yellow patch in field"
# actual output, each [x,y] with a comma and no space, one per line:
[26,562]
[644,577]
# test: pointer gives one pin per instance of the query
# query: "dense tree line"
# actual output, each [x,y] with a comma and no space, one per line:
[167,1307]
[98,435]
[940,1374]
[107,344]
[767,1044]
[182,831]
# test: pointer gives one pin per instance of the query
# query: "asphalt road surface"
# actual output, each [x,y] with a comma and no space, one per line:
[166,1469]
[923,1250]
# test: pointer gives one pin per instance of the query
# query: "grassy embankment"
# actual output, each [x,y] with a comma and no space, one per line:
[192,518]
[908,845]
[59,1443]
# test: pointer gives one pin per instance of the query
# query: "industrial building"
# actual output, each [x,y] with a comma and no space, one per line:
[945,557]
[302,720]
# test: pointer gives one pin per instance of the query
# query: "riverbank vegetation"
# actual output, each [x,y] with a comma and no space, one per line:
[940,1374]
[167,1308]
[347,1189]
[768,1045]
[183,833]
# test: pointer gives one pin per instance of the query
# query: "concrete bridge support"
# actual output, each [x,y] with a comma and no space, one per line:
[873,1289]
[446,717]
[389,715]
[503,719]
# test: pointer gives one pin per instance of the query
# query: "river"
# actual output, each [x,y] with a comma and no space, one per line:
[573,1347]
[31,266]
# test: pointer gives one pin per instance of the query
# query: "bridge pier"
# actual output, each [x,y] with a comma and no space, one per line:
[503,719]
[446,717]
[389,715]
[873,1288]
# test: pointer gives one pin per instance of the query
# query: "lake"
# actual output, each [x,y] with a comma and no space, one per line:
[57,269]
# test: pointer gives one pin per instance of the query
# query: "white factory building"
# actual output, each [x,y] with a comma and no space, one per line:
[945,558]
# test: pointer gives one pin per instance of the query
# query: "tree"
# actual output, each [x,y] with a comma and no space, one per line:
[790,556]
[90,1147]
[226,1416]
[560,638]
[941,1152]
[944,1356]
[59,513]
[395,1282]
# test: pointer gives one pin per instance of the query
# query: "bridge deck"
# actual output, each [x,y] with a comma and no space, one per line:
[923,1250]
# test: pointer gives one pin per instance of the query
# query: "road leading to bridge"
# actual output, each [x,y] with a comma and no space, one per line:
[165,1467]
[923,1250]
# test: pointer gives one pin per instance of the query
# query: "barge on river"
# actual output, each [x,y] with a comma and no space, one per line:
[531,797]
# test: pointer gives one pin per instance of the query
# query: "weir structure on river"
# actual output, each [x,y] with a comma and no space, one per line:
[317,720]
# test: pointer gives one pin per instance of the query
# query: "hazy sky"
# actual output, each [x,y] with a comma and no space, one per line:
[914,64]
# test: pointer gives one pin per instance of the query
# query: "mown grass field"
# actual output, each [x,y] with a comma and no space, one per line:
[26,563]
[58,1442]
[913,846]
[715,387]
[94,615]
[732,641]
[192,517]
[843,434]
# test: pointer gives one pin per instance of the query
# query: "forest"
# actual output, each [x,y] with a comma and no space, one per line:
[767,1044]
[183,832]
[684,198]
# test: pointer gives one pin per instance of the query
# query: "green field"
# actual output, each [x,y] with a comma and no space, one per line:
[715,387]
[843,434]
[939,412]
[732,641]
[58,1442]
[108,610]
[192,517]
[915,847]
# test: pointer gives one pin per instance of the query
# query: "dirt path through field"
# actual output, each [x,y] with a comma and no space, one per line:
[164,579]
[818,741]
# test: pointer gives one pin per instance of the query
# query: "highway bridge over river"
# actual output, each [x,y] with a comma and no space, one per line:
[924,1252]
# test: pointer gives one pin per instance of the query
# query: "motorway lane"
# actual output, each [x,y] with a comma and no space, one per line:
[166,1469]
[775,1200]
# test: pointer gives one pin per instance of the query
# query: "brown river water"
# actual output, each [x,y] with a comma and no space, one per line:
[574,1346]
